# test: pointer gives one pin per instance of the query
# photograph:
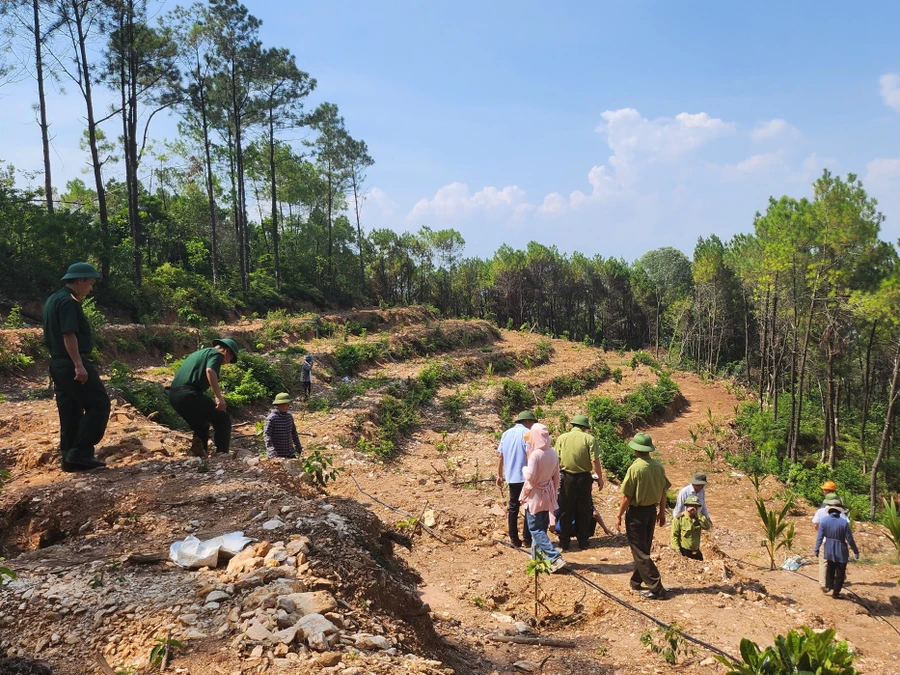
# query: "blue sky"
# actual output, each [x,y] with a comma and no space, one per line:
[602,127]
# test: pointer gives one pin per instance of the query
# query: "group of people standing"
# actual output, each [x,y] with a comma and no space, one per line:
[83,403]
[555,481]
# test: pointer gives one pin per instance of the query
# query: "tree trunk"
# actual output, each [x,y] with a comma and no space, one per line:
[866,394]
[359,238]
[763,352]
[96,164]
[210,185]
[885,433]
[802,371]
[274,198]
[42,105]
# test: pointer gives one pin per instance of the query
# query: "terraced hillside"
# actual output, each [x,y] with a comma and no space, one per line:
[403,554]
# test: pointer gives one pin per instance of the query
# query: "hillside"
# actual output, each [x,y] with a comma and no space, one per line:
[90,550]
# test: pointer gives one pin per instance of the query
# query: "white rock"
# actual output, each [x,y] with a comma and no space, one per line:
[316,602]
[372,642]
[286,636]
[257,632]
[318,641]
[217,596]
[316,623]
[273,524]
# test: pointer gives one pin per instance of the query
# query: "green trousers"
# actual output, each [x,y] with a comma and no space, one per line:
[199,411]
[83,409]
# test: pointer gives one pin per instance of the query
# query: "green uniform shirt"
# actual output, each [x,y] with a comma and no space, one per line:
[576,449]
[63,314]
[192,372]
[686,531]
[645,482]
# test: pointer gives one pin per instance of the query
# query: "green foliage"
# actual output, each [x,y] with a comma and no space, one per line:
[537,566]
[617,375]
[668,642]
[616,455]
[349,356]
[319,467]
[148,397]
[800,651]
[454,405]
[241,388]
[890,518]
[14,318]
[514,397]
[408,523]
[545,350]
[95,318]
[777,531]
[164,646]
[11,358]
[644,358]
[318,404]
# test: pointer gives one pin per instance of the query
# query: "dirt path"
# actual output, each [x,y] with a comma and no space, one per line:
[474,584]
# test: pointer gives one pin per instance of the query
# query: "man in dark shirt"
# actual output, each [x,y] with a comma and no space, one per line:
[187,394]
[81,398]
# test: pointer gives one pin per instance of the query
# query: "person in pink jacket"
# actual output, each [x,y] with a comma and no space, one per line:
[539,493]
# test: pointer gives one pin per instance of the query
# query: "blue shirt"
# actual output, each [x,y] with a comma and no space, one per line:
[835,531]
[513,447]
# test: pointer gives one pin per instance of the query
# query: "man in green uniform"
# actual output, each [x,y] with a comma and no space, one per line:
[81,399]
[187,394]
[644,498]
[578,454]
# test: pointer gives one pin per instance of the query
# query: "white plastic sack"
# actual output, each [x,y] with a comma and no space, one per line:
[193,553]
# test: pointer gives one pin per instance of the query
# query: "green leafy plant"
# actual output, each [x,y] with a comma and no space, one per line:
[617,375]
[545,349]
[891,520]
[125,670]
[776,528]
[14,318]
[454,405]
[163,650]
[668,642]
[320,467]
[800,651]
[408,523]
[537,566]
[710,451]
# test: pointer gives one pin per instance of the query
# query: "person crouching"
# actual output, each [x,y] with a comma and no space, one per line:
[686,528]
[541,474]
[280,432]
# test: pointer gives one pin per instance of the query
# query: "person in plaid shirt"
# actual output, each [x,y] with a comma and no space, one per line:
[280,432]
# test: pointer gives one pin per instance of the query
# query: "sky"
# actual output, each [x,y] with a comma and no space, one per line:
[604,127]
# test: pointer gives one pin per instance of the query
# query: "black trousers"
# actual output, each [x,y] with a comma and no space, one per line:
[693,555]
[83,409]
[835,575]
[199,411]
[307,389]
[575,505]
[512,516]
[640,523]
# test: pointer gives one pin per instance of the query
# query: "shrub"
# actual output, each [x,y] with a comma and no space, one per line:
[644,358]
[454,406]
[617,375]
[545,349]
[800,651]
[891,520]
[14,318]
[11,359]
[241,388]
[268,374]
[150,397]
[615,453]
[514,397]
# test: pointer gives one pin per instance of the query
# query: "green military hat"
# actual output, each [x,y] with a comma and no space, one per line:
[282,398]
[699,479]
[642,443]
[81,270]
[229,344]
[581,421]
[831,496]
[692,500]
[526,416]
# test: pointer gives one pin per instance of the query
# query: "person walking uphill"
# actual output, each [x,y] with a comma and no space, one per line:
[306,376]
[834,532]
[539,493]
[578,454]
[280,432]
[197,373]
[511,458]
[644,500]
[81,399]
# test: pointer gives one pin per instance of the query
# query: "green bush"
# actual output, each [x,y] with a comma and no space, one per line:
[454,405]
[617,375]
[149,397]
[14,318]
[11,359]
[800,651]
[616,455]
[644,358]
[268,374]
[514,397]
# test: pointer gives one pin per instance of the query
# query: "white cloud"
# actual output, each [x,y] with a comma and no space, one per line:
[553,203]
[762,163]
[665,139]
[777,128]
[454,202]
[882,171]
[812,168]
[890,90]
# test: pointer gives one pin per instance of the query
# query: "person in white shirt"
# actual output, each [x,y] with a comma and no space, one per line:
[698,483]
